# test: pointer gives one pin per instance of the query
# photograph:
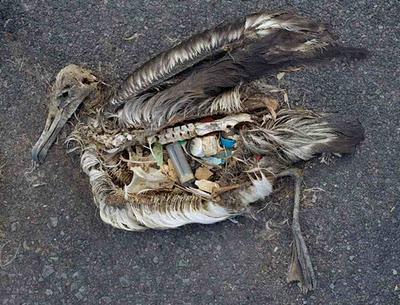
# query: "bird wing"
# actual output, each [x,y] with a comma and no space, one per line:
[219,86]
[181,84]
[217,41]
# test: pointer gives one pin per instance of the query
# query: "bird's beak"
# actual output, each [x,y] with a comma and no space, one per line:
[72,87]
[56,120]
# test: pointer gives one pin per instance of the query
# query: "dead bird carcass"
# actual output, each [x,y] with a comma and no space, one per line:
[197,134]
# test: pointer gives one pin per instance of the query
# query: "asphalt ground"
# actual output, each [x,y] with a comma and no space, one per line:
[54,249]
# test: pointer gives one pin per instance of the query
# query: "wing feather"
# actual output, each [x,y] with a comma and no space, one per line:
[219,40]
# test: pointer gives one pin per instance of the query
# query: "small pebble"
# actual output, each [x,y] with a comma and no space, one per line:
[14,226]
[394,272]
[53,221]
[123,280]
[79,295]
[48,292]
[105,300]
[74,286]
[47,271]
[186,281]
[182,263]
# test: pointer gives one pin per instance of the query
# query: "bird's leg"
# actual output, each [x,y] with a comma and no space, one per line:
[300,269]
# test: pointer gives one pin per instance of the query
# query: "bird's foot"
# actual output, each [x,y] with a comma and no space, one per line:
[300,269]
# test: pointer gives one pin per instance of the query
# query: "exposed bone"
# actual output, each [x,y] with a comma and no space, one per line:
[189,131]
[144,181]
[171,135]
[224,124]
[178,133]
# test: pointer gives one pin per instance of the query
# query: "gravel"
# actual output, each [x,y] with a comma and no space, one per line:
[352,212]
[124,281]
[47,271]
[53,221]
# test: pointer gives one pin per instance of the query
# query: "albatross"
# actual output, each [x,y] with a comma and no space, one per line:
[200,132]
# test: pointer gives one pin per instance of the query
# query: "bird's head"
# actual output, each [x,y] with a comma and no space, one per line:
[74,85]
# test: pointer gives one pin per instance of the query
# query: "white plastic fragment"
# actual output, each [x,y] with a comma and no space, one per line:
[207,186]
[204,146]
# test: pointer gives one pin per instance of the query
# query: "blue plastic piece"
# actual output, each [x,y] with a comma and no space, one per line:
[227,143]
[214,160]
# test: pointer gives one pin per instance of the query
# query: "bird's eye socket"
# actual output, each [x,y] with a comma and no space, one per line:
[65,92]
[63,96]
[85,81]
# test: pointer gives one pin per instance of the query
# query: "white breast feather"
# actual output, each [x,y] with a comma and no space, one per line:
[260,189]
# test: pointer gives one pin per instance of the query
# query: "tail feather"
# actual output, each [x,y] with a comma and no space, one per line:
[300,135]
[345,52]
[348,133]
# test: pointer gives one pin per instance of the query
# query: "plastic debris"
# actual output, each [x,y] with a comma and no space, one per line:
[203,173]
[227,143]
[157,150]
[213,160]
[179,162]
[196,147]
[205,146]
[218,159]
[207,186]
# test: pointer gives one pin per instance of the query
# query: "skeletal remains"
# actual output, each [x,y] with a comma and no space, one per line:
[197,133]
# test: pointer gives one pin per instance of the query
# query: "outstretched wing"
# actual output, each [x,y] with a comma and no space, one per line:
[264,44]
[213,42]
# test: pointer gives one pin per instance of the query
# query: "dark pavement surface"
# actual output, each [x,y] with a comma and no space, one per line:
[55,250]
